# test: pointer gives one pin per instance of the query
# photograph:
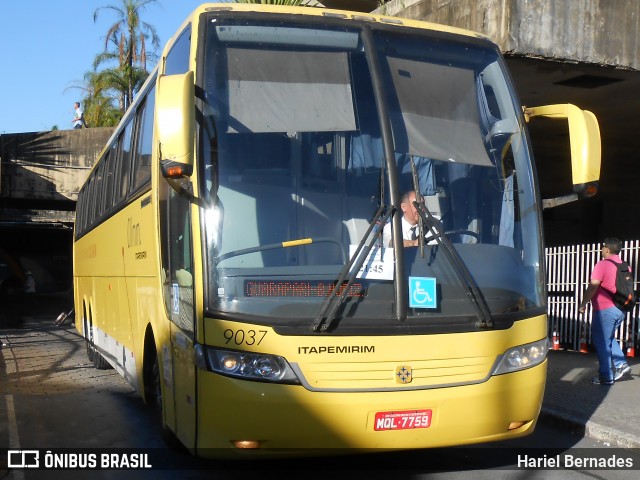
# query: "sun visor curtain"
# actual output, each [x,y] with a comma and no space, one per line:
[288,91]
[437,112]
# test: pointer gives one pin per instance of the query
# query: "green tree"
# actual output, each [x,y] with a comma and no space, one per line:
[126,46]
[99,107]
[98,103]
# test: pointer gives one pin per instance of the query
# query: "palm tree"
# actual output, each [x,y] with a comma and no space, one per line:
[98,100]
[128,38]
[99,109]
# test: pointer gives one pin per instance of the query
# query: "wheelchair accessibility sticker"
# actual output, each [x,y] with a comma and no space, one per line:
[422,292]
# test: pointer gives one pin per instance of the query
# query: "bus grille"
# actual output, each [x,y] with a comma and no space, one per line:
[417,374]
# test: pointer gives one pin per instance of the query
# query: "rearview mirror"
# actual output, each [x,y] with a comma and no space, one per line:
[175,104]
[584,135]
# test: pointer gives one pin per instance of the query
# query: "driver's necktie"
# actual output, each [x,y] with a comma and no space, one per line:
[414,233]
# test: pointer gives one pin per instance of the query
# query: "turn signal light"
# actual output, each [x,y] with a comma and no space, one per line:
[516,425]
[175,172]
[246,443]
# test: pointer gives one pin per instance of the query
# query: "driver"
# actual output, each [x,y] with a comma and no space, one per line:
[409,221]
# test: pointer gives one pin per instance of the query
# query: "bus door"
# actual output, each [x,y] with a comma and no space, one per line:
[177,268]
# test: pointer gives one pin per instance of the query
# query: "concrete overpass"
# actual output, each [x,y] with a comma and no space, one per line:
[40,176]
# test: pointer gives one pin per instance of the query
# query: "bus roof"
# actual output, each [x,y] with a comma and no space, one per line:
[328,12]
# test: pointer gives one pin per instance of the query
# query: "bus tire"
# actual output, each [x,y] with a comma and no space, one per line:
[88,342]
[89,350]
[153,399]
[94,355]
[99,362]
[153,388]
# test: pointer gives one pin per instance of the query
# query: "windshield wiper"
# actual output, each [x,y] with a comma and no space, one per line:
[460,268]
[427,219]
[327,315]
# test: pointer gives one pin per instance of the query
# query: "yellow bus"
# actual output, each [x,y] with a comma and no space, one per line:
[230,258]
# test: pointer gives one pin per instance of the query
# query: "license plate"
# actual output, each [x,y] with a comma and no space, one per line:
[402,420]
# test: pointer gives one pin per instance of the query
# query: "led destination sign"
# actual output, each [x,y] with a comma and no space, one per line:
[270,288]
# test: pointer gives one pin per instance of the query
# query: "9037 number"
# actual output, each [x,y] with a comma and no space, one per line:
[244,337]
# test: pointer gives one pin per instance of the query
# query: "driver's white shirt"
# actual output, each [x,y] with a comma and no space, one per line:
[406,232]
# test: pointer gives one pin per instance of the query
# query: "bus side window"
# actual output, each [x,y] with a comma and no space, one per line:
[97,190]
[177,265]
[124,164]
[81,213]
[89,204]
[108,199]
[177,60]
[144,141]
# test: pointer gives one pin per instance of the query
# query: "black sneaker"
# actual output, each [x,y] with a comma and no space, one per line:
[601,381]
[621,371]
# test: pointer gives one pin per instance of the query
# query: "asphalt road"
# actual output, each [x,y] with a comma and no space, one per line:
[53,399]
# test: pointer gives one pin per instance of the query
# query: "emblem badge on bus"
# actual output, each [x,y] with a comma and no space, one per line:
[403,374]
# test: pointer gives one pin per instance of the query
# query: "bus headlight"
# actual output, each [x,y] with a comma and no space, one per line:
[248,366]
[522,357]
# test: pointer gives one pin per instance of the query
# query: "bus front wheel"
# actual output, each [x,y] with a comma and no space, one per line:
[153,398]
[153,389]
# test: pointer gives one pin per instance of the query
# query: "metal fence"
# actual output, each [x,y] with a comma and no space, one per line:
[568,272]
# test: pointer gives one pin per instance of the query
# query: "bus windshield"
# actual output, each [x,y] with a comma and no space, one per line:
[296,163]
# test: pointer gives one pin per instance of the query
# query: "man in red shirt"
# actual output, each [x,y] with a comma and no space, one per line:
[606,316]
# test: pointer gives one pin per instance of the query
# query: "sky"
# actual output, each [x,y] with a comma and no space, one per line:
[46,47]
